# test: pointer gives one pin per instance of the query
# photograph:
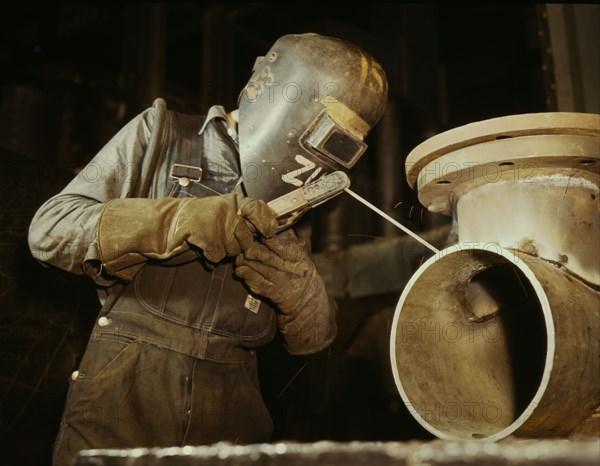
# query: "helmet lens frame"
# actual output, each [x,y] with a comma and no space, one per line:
[324,137]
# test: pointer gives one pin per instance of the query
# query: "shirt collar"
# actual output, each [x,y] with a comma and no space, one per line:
[216,111]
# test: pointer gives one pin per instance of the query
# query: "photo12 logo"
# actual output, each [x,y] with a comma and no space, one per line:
[450,332]
[435,412]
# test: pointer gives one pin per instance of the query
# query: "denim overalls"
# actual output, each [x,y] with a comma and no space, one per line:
[171,359]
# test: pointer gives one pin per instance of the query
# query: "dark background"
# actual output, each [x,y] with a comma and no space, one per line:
[73,73]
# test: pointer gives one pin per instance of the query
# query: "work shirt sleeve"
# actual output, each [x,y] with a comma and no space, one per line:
[62,233]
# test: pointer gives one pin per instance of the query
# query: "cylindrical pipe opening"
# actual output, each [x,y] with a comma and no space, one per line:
[472,343]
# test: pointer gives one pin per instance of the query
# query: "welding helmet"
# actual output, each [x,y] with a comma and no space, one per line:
[305,112]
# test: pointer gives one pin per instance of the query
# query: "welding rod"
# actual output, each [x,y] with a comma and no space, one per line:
[391,220]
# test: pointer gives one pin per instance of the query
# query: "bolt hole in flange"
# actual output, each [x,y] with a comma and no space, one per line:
[587,162]
[506,164]
[443,182]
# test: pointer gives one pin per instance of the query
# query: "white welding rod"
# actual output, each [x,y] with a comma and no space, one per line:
[391,220]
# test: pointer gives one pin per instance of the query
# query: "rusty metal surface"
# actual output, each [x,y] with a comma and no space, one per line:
[326,453]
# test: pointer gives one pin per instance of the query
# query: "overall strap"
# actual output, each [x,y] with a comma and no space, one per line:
[200,164]
[186,149]
[174,152]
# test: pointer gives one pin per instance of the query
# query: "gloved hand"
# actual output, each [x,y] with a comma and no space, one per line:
[131,231]
[281,269]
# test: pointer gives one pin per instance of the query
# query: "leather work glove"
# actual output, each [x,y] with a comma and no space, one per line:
[281,269]
[131,231]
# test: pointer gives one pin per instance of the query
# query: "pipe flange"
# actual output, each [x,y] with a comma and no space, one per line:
[514,147]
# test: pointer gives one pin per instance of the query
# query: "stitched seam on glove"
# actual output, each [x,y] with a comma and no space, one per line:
[175,224]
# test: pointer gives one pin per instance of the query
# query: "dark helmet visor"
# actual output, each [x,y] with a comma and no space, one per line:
[326,137]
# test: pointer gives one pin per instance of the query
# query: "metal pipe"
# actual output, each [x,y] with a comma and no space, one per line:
[500,333]
[488,341]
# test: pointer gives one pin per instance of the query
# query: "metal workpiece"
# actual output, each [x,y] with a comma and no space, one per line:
[528,182]
[499,334]
[554,216]
[445,146]
[488,341]
[510,452]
